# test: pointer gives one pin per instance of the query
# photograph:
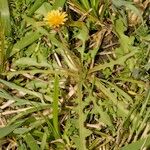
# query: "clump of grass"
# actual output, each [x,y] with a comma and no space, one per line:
[83,84]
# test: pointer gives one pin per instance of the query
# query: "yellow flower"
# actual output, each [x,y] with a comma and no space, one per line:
[55,18]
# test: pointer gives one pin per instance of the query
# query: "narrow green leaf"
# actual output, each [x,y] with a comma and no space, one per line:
[86,4]
[32,126]
[105,118]
[35,6]
[27,61]
[95,4]
[43,143]
[126,97]
[147,99]
[58,4]
[17,101]
[25,41]
[31,142]
[5,17]
[129,5]
[22,146]
[141,143]
[44,9]
[19,88]
[8,129]
[124,112]
[120,61]
[29,111]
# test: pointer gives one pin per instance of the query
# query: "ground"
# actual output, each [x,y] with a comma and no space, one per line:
[74,74]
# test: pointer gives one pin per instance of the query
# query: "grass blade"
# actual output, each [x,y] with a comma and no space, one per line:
[138,144]
[29,111]
[8,129]
[147,99]
[5,17]
[35,6]
[58,4]
[19,88]
[112,97]
[25,41]
[44,138]
[31,142]
[86,4]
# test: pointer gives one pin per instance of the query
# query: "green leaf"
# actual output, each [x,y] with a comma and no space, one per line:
[58,4]
[141,143]
[8,129]
[20,130]
[31,110]
[19,88]
[83,33]
[35,6]
[145,103]
[120,61]
[25,41]
[125,41]
[126,97]
[122,111]
[44,9]
[43,143]
[86,4]
[5,17]
[104,117]
[27,61]
[81,119]
[17,101]
[31,126]
[31,142]
[128,5]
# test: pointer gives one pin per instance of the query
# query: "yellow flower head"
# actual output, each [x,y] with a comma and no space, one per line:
[55,18]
